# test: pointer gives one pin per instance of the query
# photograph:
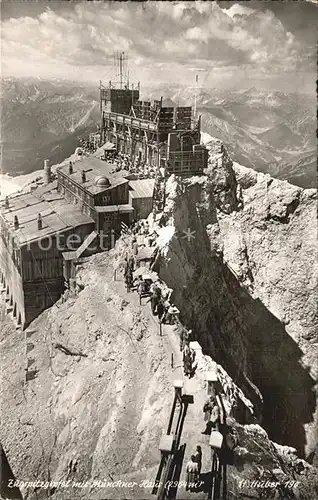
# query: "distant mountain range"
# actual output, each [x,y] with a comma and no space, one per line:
[271,132]
[41,119]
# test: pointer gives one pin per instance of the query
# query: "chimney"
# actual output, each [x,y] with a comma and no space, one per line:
[83,176]
[6,203]
[16,222]
[40,225]
[70,168]
[47,172]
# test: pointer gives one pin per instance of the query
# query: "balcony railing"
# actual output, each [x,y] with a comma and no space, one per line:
[131,121]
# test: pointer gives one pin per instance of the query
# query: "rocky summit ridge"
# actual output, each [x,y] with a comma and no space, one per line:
[245,282]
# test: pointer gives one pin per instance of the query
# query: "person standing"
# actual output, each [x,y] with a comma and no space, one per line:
[135,247]
[129,279]
[198,458]
[187,364]
[161,311]
[155,298]
[184,337]
[192,473]
[212,415]
[131,264]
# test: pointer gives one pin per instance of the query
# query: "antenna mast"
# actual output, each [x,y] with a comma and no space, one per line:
[121,59]
[121,69]
[196,89]
[195,95]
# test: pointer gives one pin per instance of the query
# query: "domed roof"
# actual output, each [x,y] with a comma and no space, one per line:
[102,181]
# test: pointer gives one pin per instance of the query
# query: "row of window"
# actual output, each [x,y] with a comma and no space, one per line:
[71,186]
[88,211]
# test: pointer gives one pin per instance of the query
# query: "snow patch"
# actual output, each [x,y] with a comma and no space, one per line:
[206,138]
[165,234]
[12,185]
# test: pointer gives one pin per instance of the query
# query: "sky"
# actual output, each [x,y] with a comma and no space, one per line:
[265,44]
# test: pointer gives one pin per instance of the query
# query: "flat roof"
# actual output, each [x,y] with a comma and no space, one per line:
[57,215]
[94,168]
[114,208]
[142,188]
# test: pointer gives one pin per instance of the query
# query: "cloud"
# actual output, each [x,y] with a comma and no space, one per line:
[239,9]
[156,35]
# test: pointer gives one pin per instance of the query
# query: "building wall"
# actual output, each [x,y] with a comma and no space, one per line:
[43,280]
[39,263]
[118,195]
[74,193]
[136,148]
[85,202]
[12,276]
[41,294]
[118,100]
[142,207]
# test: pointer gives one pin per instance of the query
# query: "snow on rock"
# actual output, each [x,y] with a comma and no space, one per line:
[206,138]
[165,234]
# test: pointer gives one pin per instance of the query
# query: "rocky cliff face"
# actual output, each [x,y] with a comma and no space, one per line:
[237,249]
[92,419]
[246,284]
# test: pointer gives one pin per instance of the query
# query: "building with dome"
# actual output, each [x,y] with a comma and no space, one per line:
[45,233]
[97,191]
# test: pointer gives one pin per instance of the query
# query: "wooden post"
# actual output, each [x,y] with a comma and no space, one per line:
[172,360]
[160,328]
[224,492]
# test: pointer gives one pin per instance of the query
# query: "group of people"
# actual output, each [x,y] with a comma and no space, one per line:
[193,469]
[121,161]
[136,166]
[189,362]
[141,227]
[160,303]
[158,194]
[87,146]
[159,295]
[212,418]
[188,354]
[145,287]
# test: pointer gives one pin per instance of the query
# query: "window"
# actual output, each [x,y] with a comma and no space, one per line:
[106,198]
